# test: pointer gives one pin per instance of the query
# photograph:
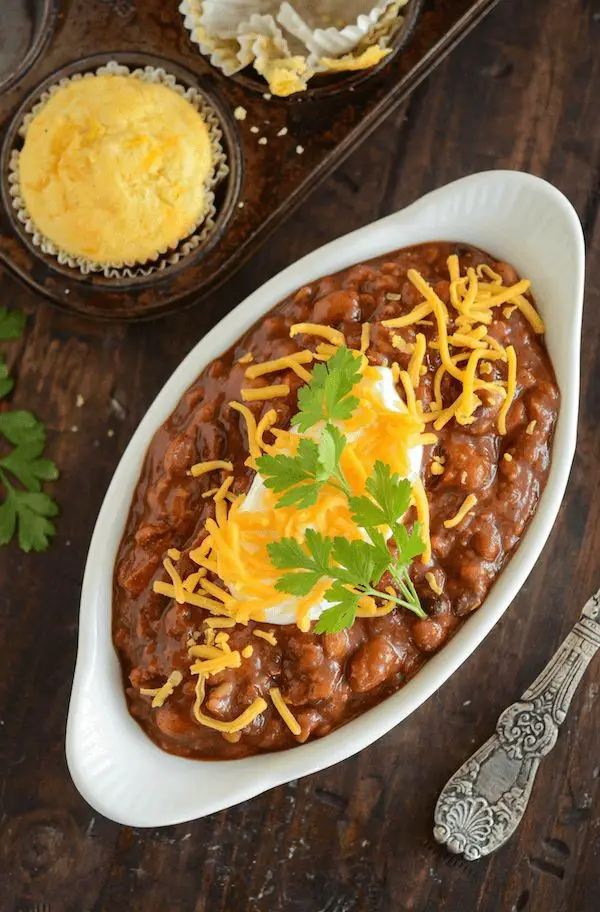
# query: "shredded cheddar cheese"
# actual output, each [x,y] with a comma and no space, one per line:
[267,635]
[531,427]
[510,388]
[416,360]
[265,424]
[259,393]
[281,707]
[292,362]
[334,336]
[178,589]
[250,420]
[467,505]
[433,583]
[191,581]
[202,468]
[365,337]
[246,359]
[221,493]
[160,694]
[247,651]
[422,506]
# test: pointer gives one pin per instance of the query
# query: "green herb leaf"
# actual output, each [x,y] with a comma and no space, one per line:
[298,583]
[6,384]
[410,544]
[389,491]
[33,511]
[27,512]
[31,472]
[23,428]
[342,612]
[12,324]
[331,447]
[327,395]
[8,520]
[287,553]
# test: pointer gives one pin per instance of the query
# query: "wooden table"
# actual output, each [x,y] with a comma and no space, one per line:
[521,92]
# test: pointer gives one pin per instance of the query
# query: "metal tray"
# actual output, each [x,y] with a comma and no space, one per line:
[266,182]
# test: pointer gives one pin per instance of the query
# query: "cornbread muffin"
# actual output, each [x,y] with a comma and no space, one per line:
[115,169]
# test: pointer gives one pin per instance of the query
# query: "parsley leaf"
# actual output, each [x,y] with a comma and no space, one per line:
[287,553]
[27,512]
[342,612]
[410,544]
[331,446]
[22,428]
[31,472]
[302,476]
[296,475]
[391,498]
[327,394]
[12,324]
[31,511]
[355,568]
[389,501]
[6,384]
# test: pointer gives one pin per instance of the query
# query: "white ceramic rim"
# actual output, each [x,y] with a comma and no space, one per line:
[115,766]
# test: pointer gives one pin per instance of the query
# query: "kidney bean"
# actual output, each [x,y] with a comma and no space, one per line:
[373,663]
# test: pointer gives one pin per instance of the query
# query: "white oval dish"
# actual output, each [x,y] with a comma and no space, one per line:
[115,766]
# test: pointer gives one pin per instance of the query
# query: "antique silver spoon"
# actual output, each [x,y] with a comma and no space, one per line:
[481,806]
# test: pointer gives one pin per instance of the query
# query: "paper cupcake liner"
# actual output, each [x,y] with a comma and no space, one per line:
[287,43]
[168,256]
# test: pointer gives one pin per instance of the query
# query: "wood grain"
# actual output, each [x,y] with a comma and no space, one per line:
[521,92]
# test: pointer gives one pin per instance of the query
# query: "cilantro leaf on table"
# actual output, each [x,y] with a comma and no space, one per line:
[12,324]
[6,384]
[25,510]
[31,512]
[327,395]
[29,437]
[23,428]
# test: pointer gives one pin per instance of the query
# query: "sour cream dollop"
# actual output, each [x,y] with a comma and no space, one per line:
[384,389]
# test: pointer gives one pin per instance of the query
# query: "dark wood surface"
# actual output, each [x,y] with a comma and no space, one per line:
[522,91]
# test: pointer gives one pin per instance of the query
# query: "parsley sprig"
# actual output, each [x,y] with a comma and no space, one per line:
[355,567]
[328,395]
[302,476]
[25,509]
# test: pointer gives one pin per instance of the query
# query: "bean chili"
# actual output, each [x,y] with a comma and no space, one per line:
[328,679]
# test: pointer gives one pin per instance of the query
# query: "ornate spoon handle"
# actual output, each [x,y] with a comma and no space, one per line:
[481,806]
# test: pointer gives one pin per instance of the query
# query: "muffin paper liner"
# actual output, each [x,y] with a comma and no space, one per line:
[168,256]
[288,43]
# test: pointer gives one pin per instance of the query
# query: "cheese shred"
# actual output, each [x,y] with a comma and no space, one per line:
[334,336]
[260,393]
[467,505]
[281,707]
[202,468]
[160,694]
[267,635]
